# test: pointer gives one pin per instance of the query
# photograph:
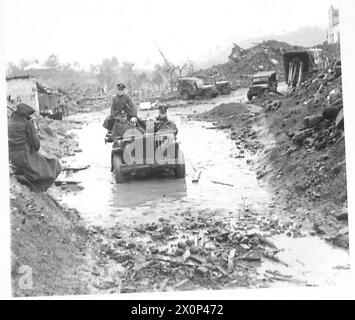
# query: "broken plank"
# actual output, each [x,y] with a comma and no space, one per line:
[176,262]
[278,274]
[64,183]
[266,241]
[196,176]
[274,258]
[197,259]
[221,270]
[75,121]
[76,168]
[181,283]
[230,260]
[163,285]
[222,183]
[220,127]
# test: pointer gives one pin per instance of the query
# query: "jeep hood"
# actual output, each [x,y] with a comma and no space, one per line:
[260,85]
[209,86]
[222,82]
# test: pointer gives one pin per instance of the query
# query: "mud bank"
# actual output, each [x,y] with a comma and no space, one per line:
[310,182]
[46,237]
[176,237]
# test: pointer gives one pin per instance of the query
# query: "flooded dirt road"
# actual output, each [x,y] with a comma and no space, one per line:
[103,201]
[241,200]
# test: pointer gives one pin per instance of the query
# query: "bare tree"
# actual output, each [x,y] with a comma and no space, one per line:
[12,69]
[126,73]
[24,64]
[190,68]
[52,62]
[108,71]
[157,79]
[181,68]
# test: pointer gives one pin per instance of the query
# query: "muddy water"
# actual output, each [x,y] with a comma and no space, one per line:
[210,151]
[310,262]
[103,202]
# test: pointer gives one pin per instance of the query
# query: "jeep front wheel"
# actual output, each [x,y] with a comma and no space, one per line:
[117,168]
[180,167]
[226,90]
[185,95]
[207,94]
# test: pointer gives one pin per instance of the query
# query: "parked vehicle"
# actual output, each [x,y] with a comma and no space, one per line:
[262,83]
[127,163]
[223,87]
[191,87]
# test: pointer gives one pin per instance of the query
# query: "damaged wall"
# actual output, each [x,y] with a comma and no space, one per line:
[333,35]
[298,66]
[46,100]
[25,88]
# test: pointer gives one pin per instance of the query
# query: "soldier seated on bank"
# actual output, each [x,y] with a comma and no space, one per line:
[30,167]
[162,122]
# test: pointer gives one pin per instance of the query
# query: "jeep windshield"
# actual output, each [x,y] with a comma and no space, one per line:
[261,80]
[199,83]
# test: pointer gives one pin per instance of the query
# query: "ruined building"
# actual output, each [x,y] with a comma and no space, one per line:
[333,35]
[237,53]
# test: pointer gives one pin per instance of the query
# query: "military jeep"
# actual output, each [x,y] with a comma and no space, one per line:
[262,83]
[224,87]
[191,87]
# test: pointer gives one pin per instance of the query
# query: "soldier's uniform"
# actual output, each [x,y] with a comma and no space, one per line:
[123,104]
[122,109]
[30,167]
[163,123]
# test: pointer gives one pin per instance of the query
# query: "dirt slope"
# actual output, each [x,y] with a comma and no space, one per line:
[302,152]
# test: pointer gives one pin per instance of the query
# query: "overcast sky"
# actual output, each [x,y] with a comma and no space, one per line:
[90,30]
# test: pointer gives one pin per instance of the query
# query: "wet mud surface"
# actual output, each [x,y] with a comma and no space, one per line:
[229,230]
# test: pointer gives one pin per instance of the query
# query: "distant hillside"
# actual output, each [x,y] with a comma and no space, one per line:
[305,37]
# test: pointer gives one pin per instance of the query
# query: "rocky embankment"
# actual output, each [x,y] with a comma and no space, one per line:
[299,140]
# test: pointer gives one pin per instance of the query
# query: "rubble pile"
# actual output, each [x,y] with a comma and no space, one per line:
[309,156]
[205,251]
[315,109]
[82,98]
[264,56]
[305,163]
[56,137]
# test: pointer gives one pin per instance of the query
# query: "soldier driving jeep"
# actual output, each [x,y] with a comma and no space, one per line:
[162,122]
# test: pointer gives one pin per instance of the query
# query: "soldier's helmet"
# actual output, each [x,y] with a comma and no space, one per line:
[163,108]
[120,86]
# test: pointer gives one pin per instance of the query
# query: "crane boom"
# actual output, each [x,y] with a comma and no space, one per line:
[168,64]
[170,67]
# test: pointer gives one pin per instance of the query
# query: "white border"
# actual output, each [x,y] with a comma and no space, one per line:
[347,12]
[5,266]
